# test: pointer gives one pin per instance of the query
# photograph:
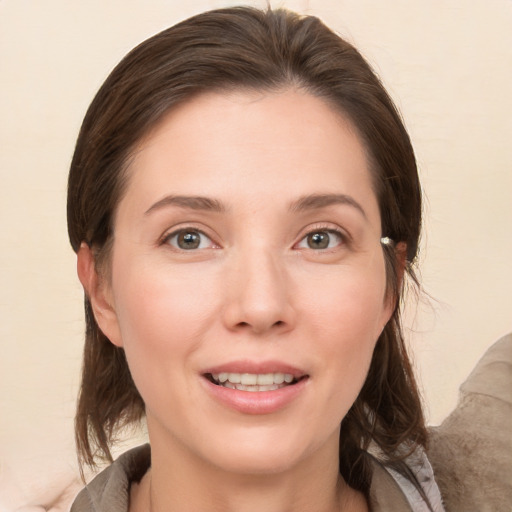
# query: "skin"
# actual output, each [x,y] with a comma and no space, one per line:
[254,290]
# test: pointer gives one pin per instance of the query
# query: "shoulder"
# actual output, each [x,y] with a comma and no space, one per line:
[110,490]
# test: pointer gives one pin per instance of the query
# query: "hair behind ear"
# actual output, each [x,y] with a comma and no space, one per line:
[102,409]
[387,411]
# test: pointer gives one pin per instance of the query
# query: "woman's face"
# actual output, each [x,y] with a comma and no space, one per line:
[247,253]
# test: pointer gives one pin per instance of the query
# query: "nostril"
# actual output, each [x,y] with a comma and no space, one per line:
[244,325]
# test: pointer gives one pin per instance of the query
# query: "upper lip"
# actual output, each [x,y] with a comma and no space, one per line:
[256,367]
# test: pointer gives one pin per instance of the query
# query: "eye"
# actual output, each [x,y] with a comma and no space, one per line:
[321,240]
[189,240]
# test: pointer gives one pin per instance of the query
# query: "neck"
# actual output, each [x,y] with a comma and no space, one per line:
[178,481]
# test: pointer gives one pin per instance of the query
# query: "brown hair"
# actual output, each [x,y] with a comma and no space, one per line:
[245,48]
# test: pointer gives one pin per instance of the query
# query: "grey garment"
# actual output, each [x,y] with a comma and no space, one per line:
[110,490]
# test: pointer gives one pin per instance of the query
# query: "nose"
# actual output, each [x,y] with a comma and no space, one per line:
[258,295]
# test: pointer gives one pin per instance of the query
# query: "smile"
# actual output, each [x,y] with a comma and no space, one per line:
[252,381]
[255,387]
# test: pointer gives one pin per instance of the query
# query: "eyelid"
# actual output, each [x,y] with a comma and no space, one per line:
[327,227]
[175,230]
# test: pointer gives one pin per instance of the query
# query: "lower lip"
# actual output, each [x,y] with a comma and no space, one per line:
[256,402]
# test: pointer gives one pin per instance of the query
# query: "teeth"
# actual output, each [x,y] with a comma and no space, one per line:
[234,378]
[269,388]
[266,379]
[241,387]
[253,381]
[249,379]
[279,378]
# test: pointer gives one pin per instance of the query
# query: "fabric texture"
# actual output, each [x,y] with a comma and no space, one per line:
[110,490]
[471,451]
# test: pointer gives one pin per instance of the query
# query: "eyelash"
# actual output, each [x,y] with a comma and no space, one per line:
[330,229]
[185,230]
[344,239]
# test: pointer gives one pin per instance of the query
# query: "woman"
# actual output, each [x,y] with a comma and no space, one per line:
[244,203]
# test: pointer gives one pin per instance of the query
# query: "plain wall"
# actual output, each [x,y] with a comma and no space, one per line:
[448,65]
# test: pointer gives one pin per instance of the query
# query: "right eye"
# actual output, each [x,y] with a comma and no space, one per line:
[189,240]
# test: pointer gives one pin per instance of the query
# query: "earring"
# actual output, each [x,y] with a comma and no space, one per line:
[385,240]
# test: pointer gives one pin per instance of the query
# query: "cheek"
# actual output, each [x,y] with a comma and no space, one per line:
[163,317]
[155,303]
[347,302]
[346,321]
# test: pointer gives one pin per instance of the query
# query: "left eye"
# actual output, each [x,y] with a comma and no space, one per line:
[318,240]
[188,240]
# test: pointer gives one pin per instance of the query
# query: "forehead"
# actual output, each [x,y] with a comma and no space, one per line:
[247,145]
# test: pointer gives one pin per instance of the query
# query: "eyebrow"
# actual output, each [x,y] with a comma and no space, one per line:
[317,201]
[309,202]
[190,202]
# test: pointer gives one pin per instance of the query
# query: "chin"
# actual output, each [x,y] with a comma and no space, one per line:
[257,454]
[257,463]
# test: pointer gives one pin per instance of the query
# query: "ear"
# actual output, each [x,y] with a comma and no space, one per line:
[401,262]
[400,253]
[99,293]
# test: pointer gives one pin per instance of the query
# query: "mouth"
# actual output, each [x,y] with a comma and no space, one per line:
[254,382]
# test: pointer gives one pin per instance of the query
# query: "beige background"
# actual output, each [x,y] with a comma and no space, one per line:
[448,64]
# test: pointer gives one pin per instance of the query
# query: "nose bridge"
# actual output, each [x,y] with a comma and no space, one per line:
[259,290]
